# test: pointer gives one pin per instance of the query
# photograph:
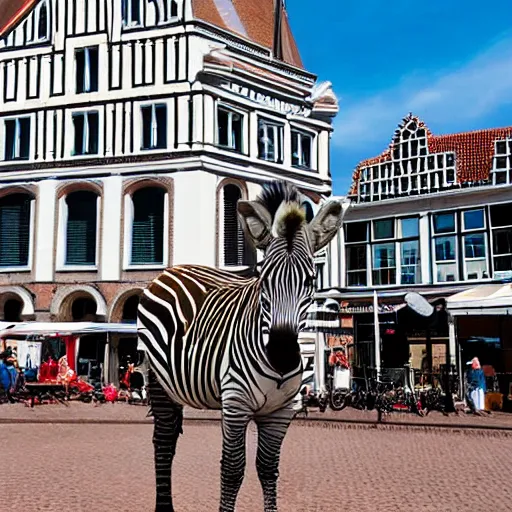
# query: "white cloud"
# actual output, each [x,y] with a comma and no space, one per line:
[450,100]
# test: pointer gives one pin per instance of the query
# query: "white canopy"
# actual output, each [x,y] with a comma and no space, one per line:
[489,299]
[63,328]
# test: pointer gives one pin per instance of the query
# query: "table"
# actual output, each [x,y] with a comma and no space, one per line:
[40,388]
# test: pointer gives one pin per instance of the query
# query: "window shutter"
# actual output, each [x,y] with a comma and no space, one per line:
[233,236]
[81,228]
[148,227]
[146,127]
[78,122]
[161,123]
[24,137]
[80,70]
[93,133]
[93,67]
[14,230]
[10,127]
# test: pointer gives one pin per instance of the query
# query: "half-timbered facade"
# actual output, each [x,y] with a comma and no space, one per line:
[129,129]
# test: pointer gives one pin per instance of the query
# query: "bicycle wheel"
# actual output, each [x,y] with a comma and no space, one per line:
[338,400]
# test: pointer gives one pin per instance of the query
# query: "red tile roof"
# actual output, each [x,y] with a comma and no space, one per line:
[474,152]
[11,12]
[257,18]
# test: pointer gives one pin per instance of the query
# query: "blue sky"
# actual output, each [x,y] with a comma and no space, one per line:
[447,61]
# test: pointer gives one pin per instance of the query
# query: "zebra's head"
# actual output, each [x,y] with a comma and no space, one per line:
[276,223]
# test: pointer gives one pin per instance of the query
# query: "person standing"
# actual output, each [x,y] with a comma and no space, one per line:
[476,385]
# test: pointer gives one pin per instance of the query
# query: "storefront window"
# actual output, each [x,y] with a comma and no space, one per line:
[501,225]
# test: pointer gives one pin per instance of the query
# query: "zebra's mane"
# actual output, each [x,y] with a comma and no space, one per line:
[282,201]
[276,192]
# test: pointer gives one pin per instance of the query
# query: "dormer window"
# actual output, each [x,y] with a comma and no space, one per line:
[86,69]
[132,12]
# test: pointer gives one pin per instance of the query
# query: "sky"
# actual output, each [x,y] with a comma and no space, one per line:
[447,61]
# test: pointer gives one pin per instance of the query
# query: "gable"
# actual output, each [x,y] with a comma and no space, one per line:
[12,12]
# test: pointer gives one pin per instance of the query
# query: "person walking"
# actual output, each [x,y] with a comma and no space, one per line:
[476,386]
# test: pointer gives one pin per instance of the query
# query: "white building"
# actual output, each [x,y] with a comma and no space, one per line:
[431,214]
[129,129]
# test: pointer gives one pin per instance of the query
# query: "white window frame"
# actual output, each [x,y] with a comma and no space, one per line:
[128,224]
[86,134]
[492,230]
[61,265]
[436,236]
[153,127]
[507,170]
[231,110]
[127,21]
[367,246]
[31,236]
[296,130]
[17,138]
[87,67]
[278,127]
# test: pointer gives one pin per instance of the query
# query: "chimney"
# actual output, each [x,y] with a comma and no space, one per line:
[278,43]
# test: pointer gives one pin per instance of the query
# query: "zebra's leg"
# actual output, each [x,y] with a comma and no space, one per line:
[168,419]
[234,428]
[271,431]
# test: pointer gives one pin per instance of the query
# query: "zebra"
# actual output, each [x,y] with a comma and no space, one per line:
[218,340]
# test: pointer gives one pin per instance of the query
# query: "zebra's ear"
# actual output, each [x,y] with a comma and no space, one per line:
[326,224]
[256,222]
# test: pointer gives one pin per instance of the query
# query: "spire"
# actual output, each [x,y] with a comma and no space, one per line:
[278,39]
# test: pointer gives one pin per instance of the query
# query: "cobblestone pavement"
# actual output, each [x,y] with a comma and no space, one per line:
[107,467]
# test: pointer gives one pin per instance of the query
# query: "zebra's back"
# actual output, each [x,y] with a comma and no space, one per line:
[186,321]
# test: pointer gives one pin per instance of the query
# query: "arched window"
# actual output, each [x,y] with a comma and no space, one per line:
[83,309]
[172,8]
[148,226]
[15,230]
[237,250]
[81,227]
[12,310]
[309,211]
[42,25]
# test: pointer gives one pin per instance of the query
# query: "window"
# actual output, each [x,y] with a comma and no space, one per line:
[42,24]
[86,69]
[383,229]
[148,226]
[445,247]
[501,236]
[15,230]
[230,129]
[475,244]
[270,141]
[85,125]
[502,163]
[236,249]
[154,127]
[17,138]
[319,275]
[410,268]
[384,264]
[356,238]
[132,12]
[301,149]
[81,228]
[172,8]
